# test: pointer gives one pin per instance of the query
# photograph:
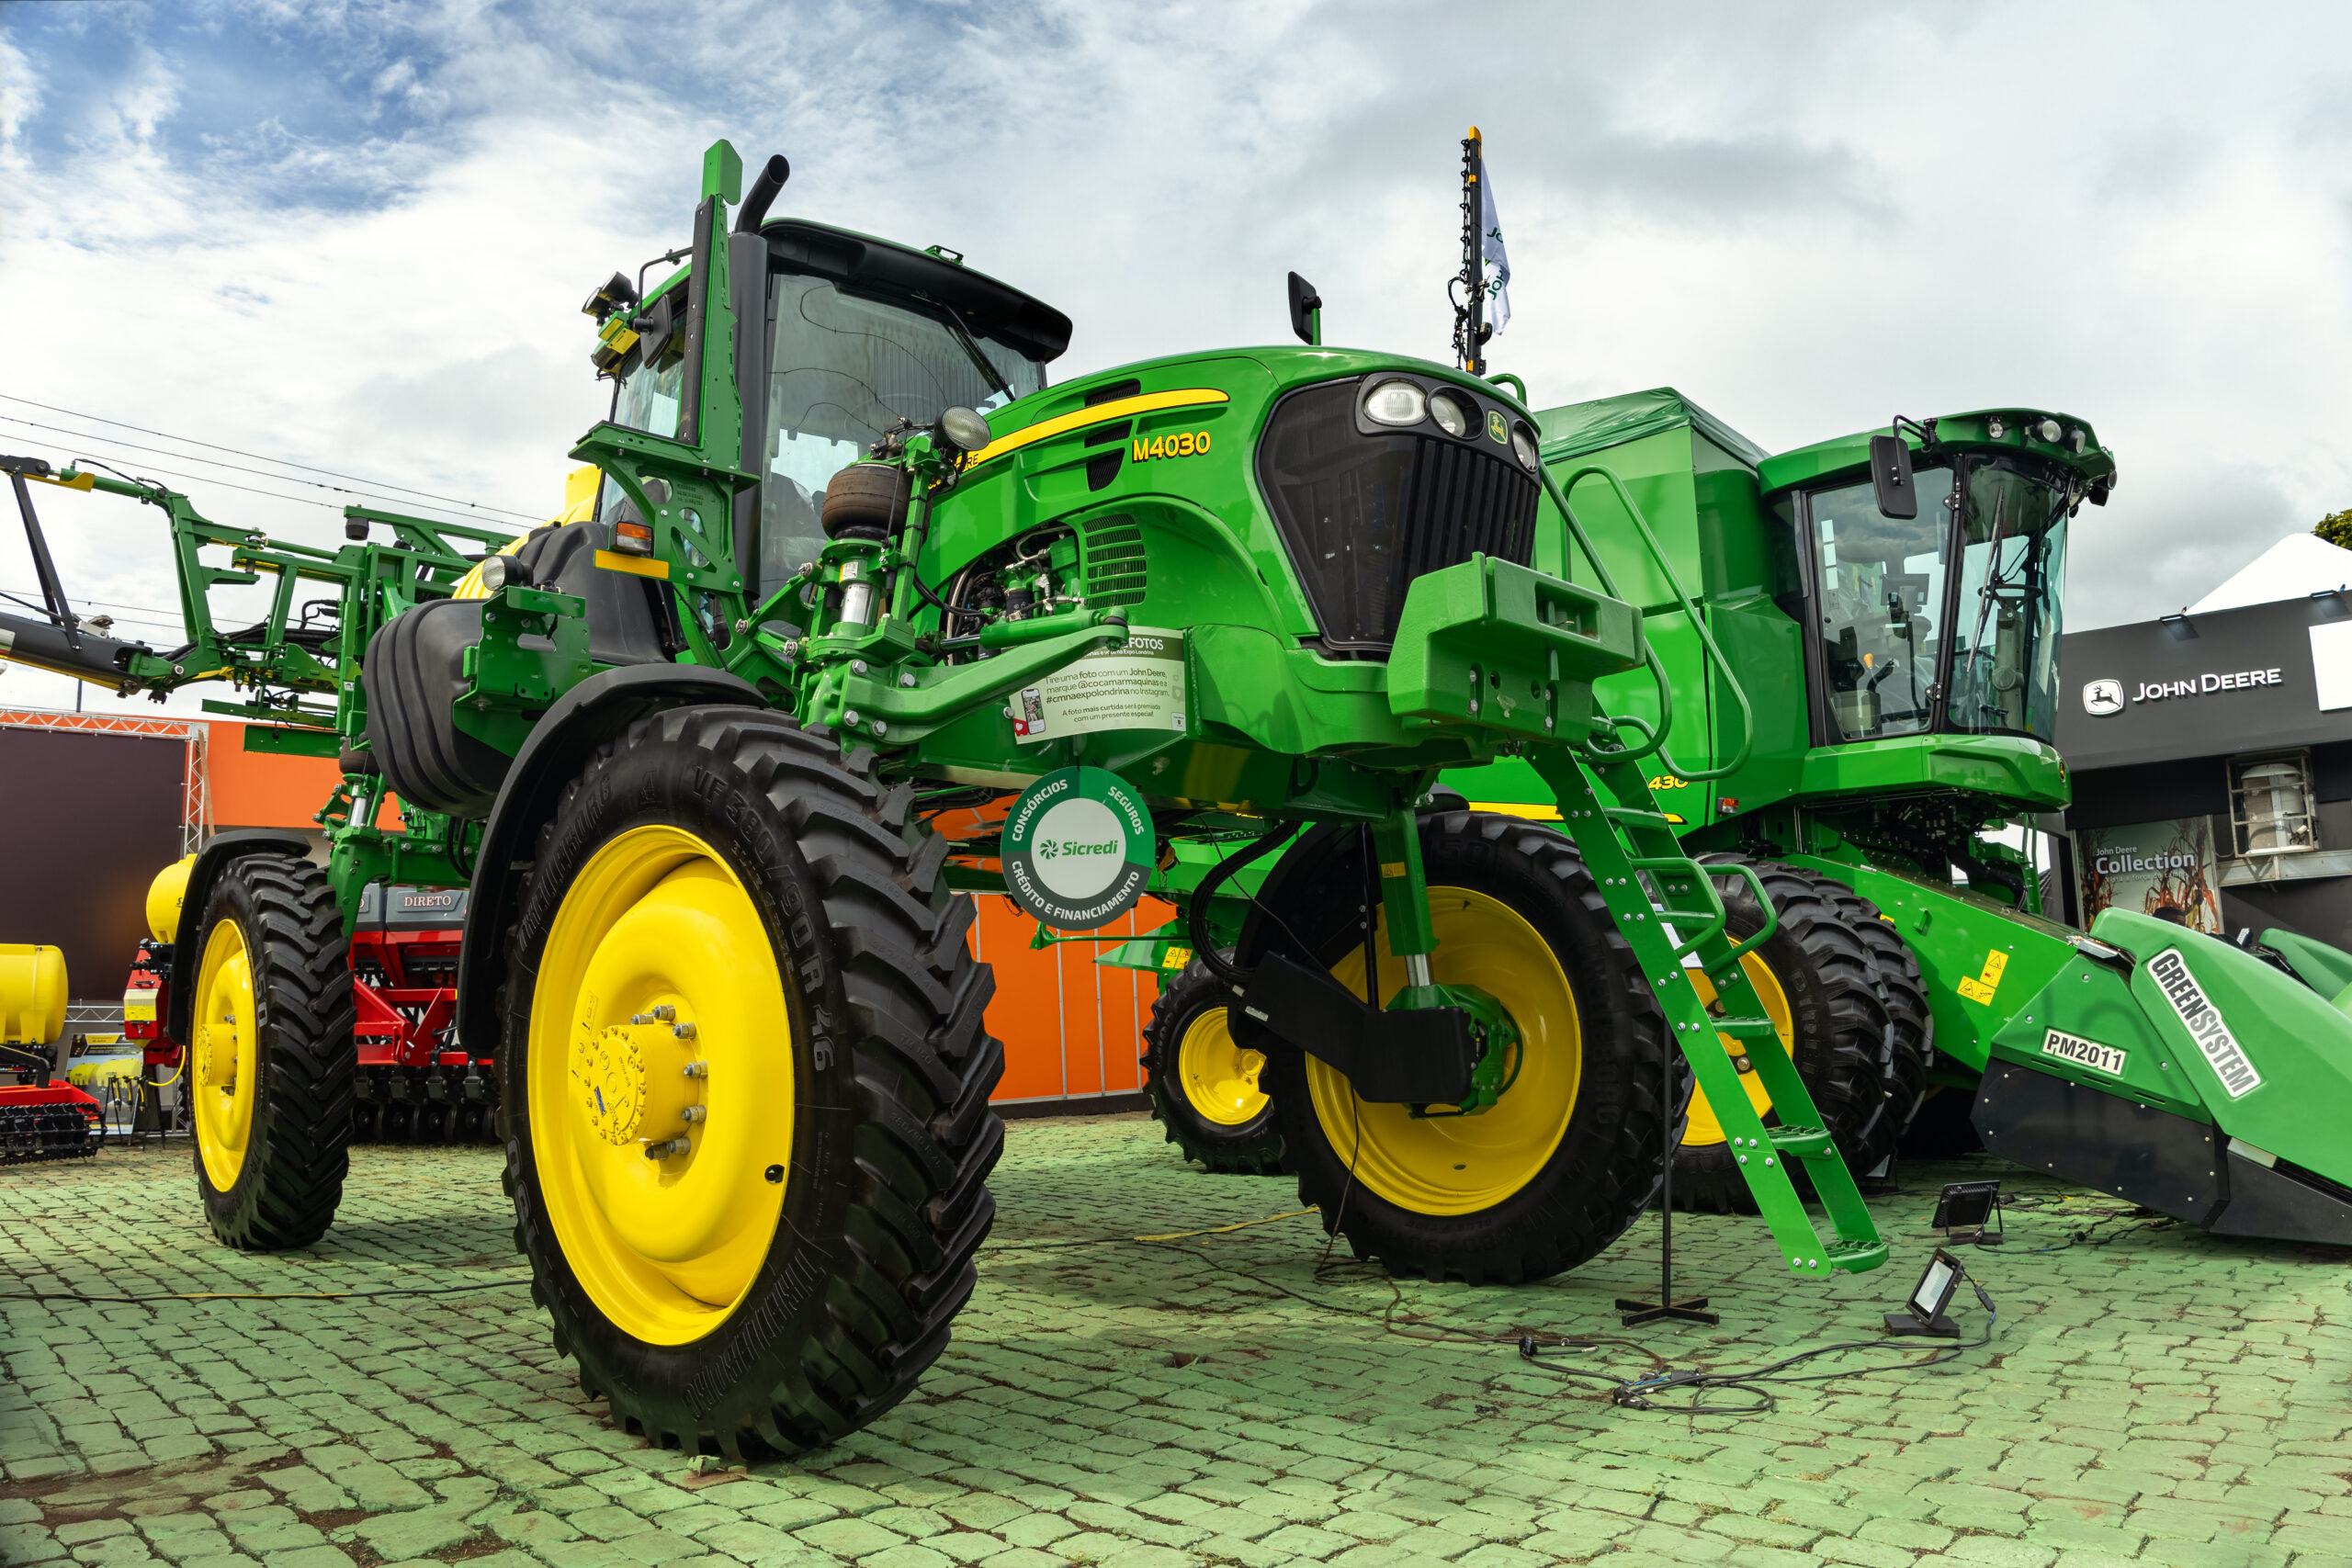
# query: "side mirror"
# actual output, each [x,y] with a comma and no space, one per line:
[1891,477]
[1305,312]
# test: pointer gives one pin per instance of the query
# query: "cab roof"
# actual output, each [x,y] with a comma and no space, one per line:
[865,262]
[1978,430]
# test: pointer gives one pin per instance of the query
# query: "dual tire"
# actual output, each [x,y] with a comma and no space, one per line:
[1853,1014]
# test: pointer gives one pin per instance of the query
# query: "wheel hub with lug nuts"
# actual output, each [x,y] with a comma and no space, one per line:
[637,1082]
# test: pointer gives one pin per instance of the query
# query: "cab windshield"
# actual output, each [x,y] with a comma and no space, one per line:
[2006,615]
[844,368]
[1925,625]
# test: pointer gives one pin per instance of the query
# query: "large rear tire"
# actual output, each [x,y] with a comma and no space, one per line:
[1559,1166]
[270,1061]
[1822,983]
[745,1096]
[1202,1084]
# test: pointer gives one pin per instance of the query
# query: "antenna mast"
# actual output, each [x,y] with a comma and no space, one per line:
[1470,329]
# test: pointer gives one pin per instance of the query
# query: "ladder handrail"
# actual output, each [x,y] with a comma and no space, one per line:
[1558,490]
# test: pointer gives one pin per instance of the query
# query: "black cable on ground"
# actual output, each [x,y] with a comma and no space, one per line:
[253,1295]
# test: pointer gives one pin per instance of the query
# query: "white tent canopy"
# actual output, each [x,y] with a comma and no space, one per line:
[2295,568]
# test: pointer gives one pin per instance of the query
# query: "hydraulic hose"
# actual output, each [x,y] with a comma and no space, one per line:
[1196,912]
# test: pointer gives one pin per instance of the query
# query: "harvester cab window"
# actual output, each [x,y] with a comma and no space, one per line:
[1881,594]
[844,368]
[2006,616]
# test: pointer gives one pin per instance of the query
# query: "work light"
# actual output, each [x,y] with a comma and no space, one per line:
[967,429]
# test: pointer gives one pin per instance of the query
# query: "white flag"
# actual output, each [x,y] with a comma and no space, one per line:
[1499,285]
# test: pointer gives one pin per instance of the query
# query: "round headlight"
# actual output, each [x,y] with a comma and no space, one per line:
[504,571]
[965,429]
[1522,443]
[1397,402]
[1450,415]
[2048,431]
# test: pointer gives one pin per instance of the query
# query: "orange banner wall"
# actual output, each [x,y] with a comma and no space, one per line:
[1072,1030]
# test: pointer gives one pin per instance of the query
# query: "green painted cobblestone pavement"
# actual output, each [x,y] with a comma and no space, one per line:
[2163,1398]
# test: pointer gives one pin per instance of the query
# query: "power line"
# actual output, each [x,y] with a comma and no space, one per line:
[115,441]
[262,457]
[107,441]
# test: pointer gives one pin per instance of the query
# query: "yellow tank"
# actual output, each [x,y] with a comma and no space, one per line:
[163,896]
[579,506]
[32,993]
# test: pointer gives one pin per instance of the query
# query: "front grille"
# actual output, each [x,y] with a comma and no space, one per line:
[1364,515]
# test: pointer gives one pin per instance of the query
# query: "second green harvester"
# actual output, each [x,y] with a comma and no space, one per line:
[1894,629]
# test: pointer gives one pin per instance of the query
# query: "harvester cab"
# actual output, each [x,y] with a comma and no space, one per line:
[856,566]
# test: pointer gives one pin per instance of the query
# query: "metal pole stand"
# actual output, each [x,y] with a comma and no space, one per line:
[1691,1309]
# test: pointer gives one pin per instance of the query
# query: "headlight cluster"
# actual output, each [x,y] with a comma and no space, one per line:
[1400,404]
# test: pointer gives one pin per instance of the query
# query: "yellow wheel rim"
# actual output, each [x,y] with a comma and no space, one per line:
[222,1071]
[1463,1163]
[1703,1129]
[657,963]
[1220,1077]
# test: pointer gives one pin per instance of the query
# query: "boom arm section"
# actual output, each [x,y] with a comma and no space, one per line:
[289,658]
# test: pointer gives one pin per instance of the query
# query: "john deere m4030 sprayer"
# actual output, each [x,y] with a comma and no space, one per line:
[686,758]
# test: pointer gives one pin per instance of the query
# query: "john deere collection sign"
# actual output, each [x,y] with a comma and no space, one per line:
[1077,849]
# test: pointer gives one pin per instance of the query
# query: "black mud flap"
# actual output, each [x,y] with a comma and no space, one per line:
[2173,1164]
[1420,1057]
[2276,1200]
[2144,1156]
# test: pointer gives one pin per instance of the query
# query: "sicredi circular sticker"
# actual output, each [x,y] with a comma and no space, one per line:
[1078,849]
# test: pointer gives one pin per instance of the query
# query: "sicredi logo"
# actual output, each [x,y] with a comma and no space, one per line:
[2103,697]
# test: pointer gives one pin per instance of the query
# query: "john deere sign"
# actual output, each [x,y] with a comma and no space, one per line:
[1077,849]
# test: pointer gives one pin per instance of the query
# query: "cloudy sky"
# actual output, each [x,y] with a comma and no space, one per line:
[355,236]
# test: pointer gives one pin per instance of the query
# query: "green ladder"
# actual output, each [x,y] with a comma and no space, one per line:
[1667,905]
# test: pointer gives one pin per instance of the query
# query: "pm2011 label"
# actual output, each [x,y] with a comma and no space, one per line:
[2083,1053]
[2203,1021]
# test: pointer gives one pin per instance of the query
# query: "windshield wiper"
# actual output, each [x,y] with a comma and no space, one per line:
[971,346]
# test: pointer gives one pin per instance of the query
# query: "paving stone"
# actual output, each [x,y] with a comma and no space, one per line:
[2164,1401]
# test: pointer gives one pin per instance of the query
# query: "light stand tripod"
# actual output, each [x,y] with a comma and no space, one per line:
[1691,1309]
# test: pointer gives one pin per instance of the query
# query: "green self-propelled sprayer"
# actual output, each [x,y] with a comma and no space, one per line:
[850,553]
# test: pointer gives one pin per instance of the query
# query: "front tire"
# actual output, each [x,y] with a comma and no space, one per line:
[271,1056]
[1204,1086]
[1558,1167]
[719,890]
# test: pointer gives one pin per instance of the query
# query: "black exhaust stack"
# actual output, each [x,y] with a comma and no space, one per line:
[756,201]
